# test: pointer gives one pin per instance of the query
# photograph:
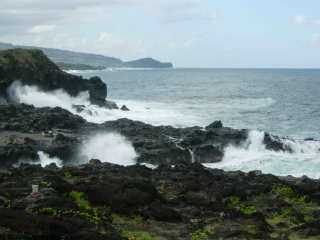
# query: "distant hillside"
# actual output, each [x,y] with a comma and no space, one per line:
[71,66]
[67,58]
[147,63]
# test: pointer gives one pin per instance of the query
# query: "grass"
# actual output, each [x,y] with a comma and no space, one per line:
[137,235]
[200,234]
[234,202]
[80,199]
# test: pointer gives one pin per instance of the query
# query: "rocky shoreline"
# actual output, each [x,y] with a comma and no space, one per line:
[187,201]
[179,199]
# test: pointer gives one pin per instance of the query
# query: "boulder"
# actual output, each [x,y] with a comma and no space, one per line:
[125,108]
[275,143]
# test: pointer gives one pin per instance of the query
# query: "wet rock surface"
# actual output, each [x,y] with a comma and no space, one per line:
[105,201]
[25,130]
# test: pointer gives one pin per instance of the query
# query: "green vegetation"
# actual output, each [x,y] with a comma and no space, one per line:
[8,203]
[20,56]
[44,184]
[67,174]
[200,234]
[285,217]
[288,194]
[137,235]
[48,211]
[245,208]
[132,228]
[135,220]
[80,199]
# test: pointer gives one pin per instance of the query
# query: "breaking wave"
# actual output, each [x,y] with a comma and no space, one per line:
[253,155]
[151,112]
[34,96]
[108,147]
[44,160]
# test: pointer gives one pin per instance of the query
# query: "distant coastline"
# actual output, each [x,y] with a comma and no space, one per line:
[70,60]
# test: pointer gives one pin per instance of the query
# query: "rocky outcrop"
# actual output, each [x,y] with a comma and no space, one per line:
[60,133]
[105,201]
[32,67]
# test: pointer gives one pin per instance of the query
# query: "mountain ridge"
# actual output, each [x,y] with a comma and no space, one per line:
[75,58]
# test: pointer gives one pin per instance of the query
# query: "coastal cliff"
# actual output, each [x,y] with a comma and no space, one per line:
[50,191]
[34,68]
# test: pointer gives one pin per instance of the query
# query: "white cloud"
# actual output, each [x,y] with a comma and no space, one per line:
[47,12]
[42,28]
[95,26]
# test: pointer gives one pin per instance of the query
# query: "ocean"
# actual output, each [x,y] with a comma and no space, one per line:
[284,102]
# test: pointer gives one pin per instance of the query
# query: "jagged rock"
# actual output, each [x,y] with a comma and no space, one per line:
[274,143]
[13,153]
[161,212]
[125,108]
[208,153]
[110,105]
[215,124]
[106,201]
[79,108]
[26,118]
[60,134]
[95,162]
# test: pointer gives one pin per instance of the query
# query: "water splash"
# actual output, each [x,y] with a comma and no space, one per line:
[253,155]
[108,147]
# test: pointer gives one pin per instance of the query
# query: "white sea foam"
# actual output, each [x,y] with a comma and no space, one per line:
[149,112]
[44,160]
[253,155]
[108,147]
[33,95]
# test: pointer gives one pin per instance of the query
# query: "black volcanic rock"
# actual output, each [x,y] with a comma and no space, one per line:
[32,67]
[125,108]
[208,153]
[215,124]
[187,201]
[60,133]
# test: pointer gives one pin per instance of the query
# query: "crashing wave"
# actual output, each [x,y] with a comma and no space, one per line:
[304,159]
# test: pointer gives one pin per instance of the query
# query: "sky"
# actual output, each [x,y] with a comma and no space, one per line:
[189,33]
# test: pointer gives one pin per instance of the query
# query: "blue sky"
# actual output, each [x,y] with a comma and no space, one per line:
[190,33]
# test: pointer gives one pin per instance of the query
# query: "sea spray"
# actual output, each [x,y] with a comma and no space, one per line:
[35,96]
[43,160]
[150,112]
[108,147]
[253,155]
